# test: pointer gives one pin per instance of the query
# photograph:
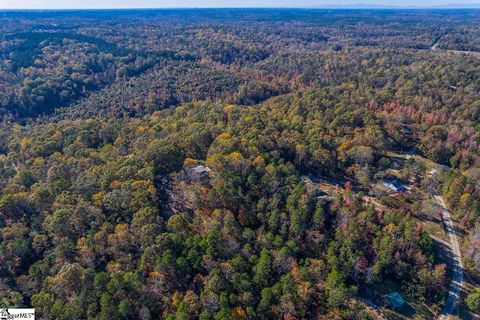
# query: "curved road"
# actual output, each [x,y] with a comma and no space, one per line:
[456,286]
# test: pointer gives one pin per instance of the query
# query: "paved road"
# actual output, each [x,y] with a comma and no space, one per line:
[457,267]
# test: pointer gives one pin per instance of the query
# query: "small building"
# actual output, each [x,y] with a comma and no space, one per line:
[395,301]
[324,197]
[396,165]
[307,180]
[198,174]
[201,170]
[406,130]
[395,185]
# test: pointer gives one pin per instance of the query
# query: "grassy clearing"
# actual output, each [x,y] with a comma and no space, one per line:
[429,164]
[394,172]
[435,229]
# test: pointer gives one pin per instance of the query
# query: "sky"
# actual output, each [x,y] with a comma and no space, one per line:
[103,4]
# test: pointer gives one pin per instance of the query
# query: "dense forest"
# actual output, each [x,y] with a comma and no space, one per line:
[154,164]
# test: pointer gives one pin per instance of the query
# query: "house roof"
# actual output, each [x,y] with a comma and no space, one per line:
[393,183]
[397,184]
[396,299]
[201,169]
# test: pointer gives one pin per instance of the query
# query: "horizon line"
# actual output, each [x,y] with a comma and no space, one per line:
[353,6]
